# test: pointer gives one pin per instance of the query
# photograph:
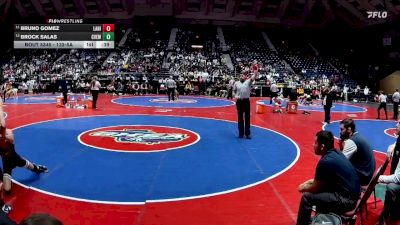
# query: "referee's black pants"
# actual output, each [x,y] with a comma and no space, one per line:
[65,96]
[95,95]
[382,106]
[230,93]
[395,110]
[171,94]
[327,110]
[243,109]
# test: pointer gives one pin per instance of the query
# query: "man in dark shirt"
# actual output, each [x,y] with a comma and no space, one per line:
[335,187]
[357,149]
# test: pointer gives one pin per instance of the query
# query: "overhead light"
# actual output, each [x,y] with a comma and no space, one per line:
[197,46]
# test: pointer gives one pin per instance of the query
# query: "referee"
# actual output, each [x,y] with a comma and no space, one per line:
[241,90]
[171,86]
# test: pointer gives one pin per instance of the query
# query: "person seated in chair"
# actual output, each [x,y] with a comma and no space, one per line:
[391,208]
[144,88]
[335,187]
[357,149]
[307,99]
[188,88]
[176,94]
[111,88]
[10,91]
[120,90]
[136,88]
[277,103]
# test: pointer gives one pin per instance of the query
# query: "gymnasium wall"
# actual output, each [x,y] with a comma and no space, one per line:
[390,83]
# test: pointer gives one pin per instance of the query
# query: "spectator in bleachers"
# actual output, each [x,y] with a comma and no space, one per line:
[230,88]
[345,93]
[24,87]
[188,88]
[144,88]
[136,88]
[120,88]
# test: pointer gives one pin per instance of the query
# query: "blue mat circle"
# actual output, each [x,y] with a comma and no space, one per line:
[42,99]
[219,163]
[183,102]
[337,107]
[372,130]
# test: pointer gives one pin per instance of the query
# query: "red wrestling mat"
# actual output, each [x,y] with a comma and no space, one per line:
[272,202]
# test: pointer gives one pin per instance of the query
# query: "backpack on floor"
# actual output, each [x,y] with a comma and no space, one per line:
[326,219]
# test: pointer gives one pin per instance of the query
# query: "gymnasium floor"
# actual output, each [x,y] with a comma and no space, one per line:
[144,160]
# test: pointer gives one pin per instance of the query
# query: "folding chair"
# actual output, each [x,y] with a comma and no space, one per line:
[351,216]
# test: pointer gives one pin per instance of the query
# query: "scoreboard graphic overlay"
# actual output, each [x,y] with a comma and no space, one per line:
[64,34]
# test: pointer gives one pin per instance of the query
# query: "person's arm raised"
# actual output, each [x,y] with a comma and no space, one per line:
[254,76]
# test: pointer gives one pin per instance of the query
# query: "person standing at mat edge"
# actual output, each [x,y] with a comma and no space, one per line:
[382,104]
[64,89]
[241,90]
[396,100]
[171,86]
[95,88]
[327,100]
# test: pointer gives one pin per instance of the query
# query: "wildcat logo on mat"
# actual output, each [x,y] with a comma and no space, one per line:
[165,100]
[138,138]
[148,137]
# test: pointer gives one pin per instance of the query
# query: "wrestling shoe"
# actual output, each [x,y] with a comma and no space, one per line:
[40,169]
[6,208]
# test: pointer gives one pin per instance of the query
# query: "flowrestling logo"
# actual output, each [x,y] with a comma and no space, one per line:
[377,14]
[138,138]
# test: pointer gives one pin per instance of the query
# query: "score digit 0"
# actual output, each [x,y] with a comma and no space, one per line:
[108,36]
[108,27]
